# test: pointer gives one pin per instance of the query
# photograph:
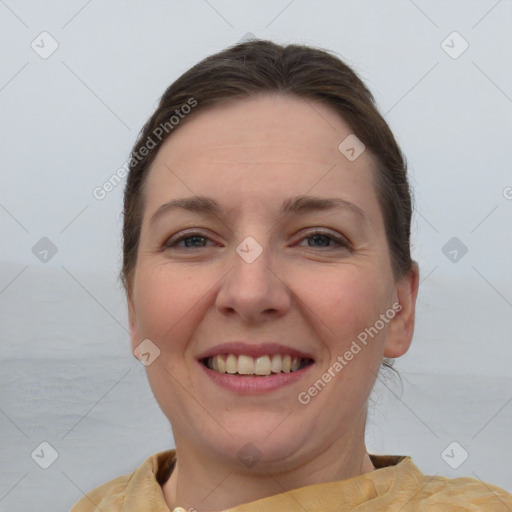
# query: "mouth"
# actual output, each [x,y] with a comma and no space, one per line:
[251,368]
[261,366]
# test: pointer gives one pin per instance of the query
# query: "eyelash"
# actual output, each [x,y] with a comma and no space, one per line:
[340,242]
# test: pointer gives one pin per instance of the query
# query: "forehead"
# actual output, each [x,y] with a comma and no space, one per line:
[258,151]
[260,126]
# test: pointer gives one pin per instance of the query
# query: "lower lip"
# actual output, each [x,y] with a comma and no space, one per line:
[254,385]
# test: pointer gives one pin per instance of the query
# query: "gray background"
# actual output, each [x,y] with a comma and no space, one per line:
[68,122]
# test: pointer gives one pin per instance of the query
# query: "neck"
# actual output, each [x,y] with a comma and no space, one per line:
[223,485]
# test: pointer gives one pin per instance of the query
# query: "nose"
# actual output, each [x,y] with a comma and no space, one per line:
[253,290]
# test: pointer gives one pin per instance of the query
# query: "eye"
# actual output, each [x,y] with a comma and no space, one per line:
[314,239]
[191,240]
[322,239]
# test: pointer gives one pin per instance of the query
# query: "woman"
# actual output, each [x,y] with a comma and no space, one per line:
[268,275]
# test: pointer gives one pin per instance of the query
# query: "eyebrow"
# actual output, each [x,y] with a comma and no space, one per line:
[294,205]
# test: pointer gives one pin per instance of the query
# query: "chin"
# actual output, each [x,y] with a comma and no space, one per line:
[265,438]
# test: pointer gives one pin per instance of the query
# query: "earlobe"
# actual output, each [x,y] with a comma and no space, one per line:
[401,327]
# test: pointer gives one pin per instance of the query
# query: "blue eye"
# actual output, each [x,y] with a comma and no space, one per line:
[324,239]
[316,239]
[191,240]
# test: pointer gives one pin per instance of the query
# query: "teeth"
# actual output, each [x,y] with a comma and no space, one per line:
[276,364]
[221,363]
[247,365]
[262,366]
[231,364]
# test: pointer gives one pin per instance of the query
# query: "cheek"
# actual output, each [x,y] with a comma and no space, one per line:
[167,303]
[343,301]
[343,304]
[164,301]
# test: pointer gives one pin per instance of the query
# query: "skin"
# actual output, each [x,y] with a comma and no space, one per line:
[250,155]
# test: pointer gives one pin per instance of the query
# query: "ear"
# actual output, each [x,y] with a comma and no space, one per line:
[132,319]
[401,327]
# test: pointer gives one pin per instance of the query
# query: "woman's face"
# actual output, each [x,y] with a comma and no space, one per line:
[265,279]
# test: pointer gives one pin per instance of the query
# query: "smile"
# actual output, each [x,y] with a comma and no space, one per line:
[242,364]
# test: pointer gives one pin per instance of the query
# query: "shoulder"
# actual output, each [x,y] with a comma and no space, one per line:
[460,494]
[398,480]
[144,481]
[109,496]
[466,493]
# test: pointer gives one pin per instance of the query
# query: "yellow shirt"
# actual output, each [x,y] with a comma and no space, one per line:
[396,485]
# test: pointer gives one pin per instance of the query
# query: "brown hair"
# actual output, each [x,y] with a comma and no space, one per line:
[256,67]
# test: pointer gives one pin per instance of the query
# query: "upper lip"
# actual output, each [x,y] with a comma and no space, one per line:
[253,350]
